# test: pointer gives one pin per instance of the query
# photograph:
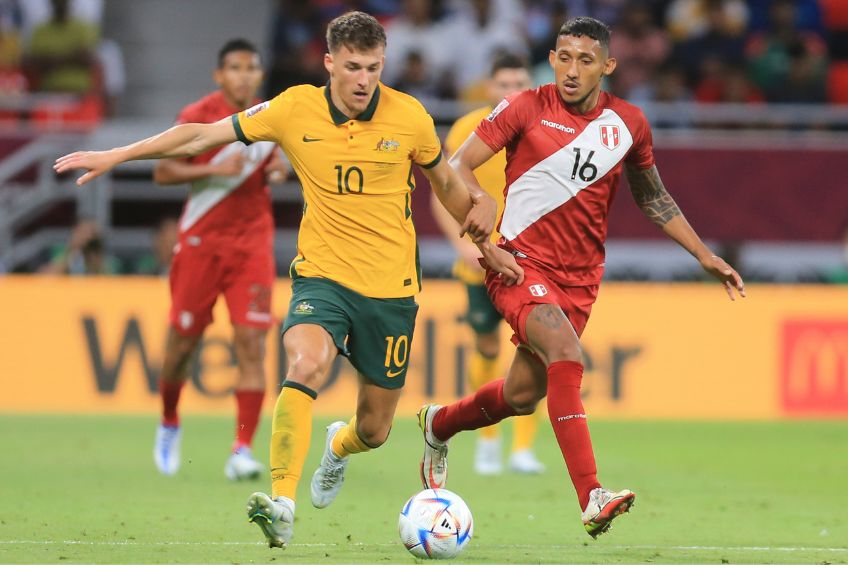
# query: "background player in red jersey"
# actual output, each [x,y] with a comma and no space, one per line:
[225,247]
[567,144]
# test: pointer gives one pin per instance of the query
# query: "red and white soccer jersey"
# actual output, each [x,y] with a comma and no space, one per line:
[563,169]
[562,172]
[226,234]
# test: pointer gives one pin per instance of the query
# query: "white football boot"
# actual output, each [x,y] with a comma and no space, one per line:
[524,461]
[487,456]
[274,517]
[166,450]
[434,463]
[604,506]
[241,465]
[329,476]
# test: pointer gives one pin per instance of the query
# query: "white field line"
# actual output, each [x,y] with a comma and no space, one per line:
[499,546]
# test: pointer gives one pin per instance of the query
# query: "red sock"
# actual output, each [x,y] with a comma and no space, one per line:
[568,419]
[483,408]
[249,407]
[170,393]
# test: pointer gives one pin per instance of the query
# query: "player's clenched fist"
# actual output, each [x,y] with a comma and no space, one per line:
[480,220]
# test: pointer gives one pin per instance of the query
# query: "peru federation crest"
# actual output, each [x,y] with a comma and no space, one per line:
[610,137]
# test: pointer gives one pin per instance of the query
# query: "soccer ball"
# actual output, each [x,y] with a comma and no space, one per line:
[435,524]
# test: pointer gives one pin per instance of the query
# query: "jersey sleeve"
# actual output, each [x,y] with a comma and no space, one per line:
[505,122]
[263,121]
[428,149]
[641,155]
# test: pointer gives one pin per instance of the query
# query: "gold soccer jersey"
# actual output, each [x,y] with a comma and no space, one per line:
[357,177]
[490,175]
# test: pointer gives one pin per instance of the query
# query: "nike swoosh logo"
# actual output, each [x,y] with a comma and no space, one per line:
[311,139]
[391,374]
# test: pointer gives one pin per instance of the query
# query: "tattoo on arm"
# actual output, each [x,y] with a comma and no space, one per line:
[651,196]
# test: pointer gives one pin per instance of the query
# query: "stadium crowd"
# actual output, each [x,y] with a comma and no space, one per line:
[783,51]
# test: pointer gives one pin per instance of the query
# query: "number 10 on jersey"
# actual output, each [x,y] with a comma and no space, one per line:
[397,351]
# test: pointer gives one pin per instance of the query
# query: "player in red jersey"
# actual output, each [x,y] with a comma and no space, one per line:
[567,145]
[225,247]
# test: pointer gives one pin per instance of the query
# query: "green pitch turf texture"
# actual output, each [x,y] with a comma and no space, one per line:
[84,489]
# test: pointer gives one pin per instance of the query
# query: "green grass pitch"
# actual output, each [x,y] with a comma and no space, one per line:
[84,489]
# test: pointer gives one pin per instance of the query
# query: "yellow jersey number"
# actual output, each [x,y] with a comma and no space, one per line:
[397,353]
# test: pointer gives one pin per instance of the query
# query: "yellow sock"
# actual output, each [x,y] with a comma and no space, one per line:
[524,431]
[291,430]
[481,370]
[347,441]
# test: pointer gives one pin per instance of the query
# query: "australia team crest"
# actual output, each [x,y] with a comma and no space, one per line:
[610,137]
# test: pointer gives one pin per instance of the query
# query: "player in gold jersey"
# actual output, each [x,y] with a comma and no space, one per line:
[352,144]
[509,74]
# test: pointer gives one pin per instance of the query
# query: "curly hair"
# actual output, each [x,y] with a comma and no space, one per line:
[357,31]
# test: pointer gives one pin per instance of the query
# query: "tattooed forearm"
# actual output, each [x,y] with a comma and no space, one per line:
[651,195]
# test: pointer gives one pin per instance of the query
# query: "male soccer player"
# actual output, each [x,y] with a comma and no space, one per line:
[225,247]
[567,144]
[509,74]
[352,144]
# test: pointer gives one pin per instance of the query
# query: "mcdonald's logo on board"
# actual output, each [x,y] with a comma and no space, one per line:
[814,368]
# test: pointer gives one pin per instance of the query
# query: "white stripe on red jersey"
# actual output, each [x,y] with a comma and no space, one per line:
[563,169]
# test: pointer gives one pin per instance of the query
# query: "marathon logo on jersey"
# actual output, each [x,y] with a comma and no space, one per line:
[304,308]
[498,109]
[253,110]
[560,127]
[538,290]
[610,137]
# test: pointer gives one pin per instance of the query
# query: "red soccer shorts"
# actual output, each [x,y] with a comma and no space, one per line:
[199,275]
[516,302]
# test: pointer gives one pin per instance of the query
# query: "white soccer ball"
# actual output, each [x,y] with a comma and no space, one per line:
[435,524]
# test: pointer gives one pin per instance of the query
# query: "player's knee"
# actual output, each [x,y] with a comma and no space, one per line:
[306,371]
[568,351]
[523,401]
[373,434]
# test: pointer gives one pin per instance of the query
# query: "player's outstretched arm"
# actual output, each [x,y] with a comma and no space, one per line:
[184,140]
[470,206]
[655,201]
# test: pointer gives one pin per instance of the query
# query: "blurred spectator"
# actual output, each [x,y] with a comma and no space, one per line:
[83,255]
[668,86]
[639,46]
[298,47]
[805,79]
[691,19]
[720,42]
[475,35]
[544,18]
[418,51]
[727,83]
[788,64]
[808,14]
[13,82]
[61,54]
[158,262]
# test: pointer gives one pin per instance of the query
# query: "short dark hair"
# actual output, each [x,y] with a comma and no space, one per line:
[507,60]
[590,27]
[234,45]
[357,31]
